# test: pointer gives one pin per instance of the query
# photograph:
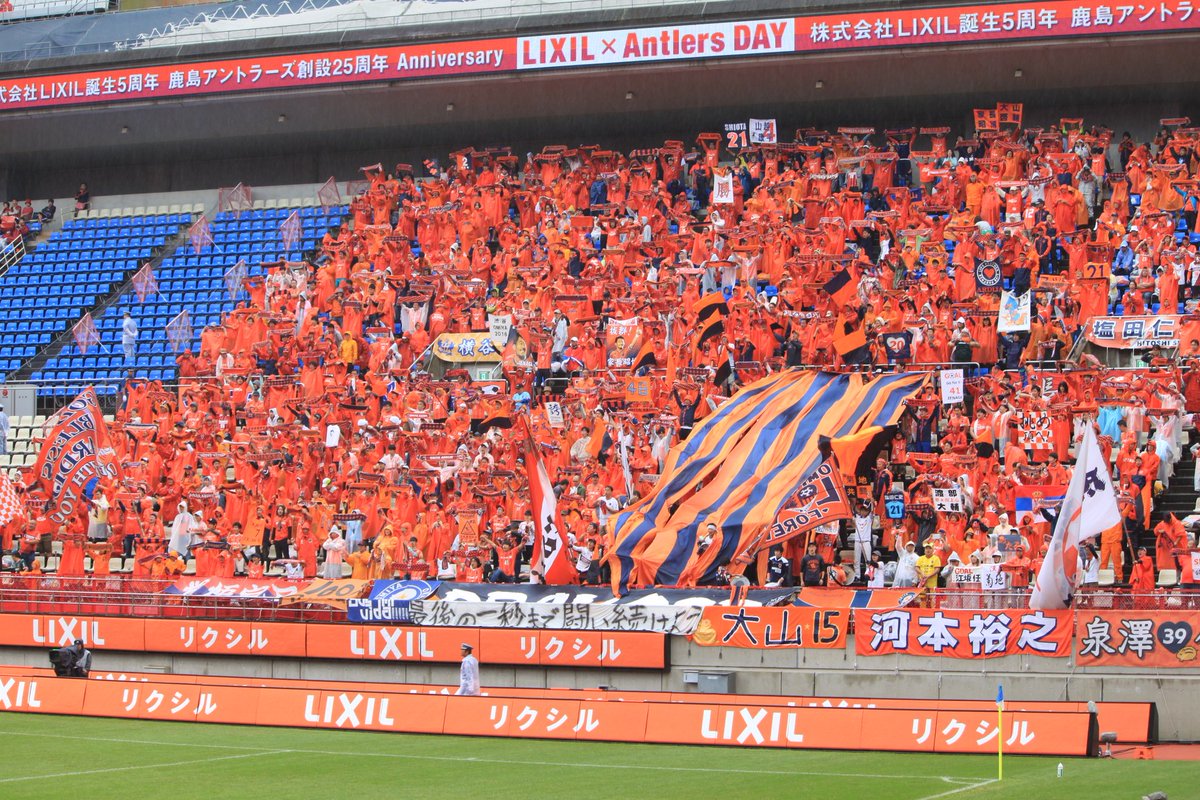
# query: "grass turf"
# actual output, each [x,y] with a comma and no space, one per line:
[100,759]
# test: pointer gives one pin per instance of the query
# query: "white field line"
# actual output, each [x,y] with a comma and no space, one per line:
[135,767]
[459,759]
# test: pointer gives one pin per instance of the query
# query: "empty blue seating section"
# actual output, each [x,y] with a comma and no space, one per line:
[44,294]
[186,280]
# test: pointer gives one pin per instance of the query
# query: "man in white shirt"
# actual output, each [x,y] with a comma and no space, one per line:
[606,506]
[863,522]
[468,673]
[129,335]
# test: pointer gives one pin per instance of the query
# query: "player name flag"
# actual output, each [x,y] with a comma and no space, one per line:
[550,556]
[76,452]
[1089,508]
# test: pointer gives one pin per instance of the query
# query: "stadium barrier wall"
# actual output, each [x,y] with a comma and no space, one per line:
[609,650]
[749,724]
[1130,721]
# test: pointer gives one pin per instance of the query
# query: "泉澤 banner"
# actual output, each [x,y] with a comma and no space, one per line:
[963,634]
[1137,638]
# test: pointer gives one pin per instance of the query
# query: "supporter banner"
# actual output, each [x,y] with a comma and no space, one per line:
[389,601]
[332,593]
[232,587]
[1014,312]
[459,347]
[679,620]
[617,649]
[952,384]
[1041,19]
[963,634]
[923,729]
[580,595]
[75,455]
[947,499]
[771,628]
[1137,638]
[1133,333]
[763,131]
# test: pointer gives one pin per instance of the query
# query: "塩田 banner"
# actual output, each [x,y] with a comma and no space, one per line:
[998,22]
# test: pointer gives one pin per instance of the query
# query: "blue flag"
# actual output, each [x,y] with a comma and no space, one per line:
[1000,695]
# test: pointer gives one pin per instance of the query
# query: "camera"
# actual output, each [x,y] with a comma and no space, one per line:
[62,660]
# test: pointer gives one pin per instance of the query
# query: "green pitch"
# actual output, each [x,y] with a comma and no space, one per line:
[45,756]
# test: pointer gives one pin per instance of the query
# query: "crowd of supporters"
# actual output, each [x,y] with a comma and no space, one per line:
[334,422]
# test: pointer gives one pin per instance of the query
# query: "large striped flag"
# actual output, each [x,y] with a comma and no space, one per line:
[739,469]
[75,454]
[1089,508]
[550,555]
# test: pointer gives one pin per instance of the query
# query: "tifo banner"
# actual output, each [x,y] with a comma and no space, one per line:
[1137,638]
[1133,333]
[338,641]
[854,30]
[713,723]
[232,587]
[75,454]
[771,628]
[963,634]
[389,601]
[739,468]
[679,620]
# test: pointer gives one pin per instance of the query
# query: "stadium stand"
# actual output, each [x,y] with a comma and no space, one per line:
[188,280]
[65,276]
[846,253]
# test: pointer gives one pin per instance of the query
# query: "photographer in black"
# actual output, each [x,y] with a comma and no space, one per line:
[72,662]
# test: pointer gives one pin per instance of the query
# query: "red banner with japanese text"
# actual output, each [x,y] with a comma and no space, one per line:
[1137,638]
[1133,333]
[963,634]
[772,627]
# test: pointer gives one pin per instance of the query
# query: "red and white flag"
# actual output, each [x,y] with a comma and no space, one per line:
[144,283]
[200,234]
[85,333]
[550,555]
[291,231]
[10,502]
[1089,508]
